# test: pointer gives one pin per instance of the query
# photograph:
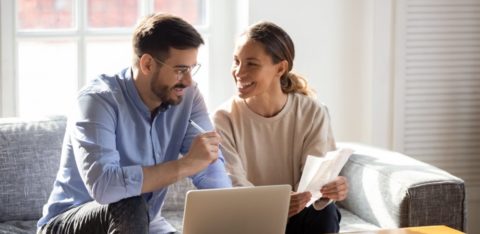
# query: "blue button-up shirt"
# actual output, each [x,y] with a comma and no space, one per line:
[112,134]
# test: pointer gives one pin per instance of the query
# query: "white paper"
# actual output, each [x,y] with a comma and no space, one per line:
[319,171]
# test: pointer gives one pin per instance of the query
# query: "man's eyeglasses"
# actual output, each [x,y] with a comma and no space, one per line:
[181,70]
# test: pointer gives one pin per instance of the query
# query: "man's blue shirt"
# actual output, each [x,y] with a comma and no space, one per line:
[112,134]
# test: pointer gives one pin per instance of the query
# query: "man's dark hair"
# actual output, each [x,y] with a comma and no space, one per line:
[157,33]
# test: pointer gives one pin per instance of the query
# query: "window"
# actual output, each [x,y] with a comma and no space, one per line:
[56,46]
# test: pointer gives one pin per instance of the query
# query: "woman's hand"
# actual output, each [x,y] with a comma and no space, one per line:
[336,190]
[298,201]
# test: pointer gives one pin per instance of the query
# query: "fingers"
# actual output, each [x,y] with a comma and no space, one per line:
[205,146]
[211,138]
[336,190]
[210,141]
[211,134]
[298,201]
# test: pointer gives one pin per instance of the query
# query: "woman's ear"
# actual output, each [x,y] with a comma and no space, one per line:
[282,68]
[145,64]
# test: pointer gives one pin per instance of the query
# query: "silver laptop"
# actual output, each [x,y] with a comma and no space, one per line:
[261,209]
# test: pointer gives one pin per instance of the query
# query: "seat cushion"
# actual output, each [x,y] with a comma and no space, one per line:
[352,223]
[19,227]
[349,223]
[175,218]
[29,159]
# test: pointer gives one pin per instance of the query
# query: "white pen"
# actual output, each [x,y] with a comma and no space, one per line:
[195,125]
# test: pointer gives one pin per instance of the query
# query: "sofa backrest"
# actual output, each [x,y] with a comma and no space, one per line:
[29,158]
[175,199]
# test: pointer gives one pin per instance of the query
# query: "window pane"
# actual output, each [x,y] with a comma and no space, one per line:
[192,11]
[47,82]
[45,14]
[107,56]
[112,13]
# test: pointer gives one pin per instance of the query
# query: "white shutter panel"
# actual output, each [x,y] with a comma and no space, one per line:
[437,84]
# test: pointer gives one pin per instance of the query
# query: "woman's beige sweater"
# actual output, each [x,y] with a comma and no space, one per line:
[267,151]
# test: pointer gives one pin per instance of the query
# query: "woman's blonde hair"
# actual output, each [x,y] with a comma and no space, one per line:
[279,46]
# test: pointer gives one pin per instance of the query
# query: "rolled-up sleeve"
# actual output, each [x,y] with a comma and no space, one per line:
[94,145]
[214,176]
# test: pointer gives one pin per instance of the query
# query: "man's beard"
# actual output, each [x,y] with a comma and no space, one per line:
[163,92]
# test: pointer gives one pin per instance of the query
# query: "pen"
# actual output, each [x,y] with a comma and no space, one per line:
[195,125]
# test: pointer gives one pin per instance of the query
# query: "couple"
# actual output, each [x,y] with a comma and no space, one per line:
[122,143]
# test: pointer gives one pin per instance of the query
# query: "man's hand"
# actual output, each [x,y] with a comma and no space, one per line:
[336,190]
[203,151]
[298,201]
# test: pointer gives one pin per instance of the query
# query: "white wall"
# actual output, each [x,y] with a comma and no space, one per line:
[344,48]
[332,40]
[7,55]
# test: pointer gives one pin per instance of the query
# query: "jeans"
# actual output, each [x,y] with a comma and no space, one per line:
[312,221]
[129,215]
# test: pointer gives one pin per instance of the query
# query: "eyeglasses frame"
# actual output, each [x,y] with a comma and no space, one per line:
[180,71]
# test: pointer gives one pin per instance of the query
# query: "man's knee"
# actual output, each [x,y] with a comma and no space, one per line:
[130,214]
[132,206]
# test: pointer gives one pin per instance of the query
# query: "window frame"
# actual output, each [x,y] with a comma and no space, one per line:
[9,97]
[8,85]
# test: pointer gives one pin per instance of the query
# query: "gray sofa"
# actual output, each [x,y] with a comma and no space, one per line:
[387,189]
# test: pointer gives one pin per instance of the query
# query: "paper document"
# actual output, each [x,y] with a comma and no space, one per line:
[319,171]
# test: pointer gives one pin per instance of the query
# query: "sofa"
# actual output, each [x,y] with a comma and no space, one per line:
[387,189]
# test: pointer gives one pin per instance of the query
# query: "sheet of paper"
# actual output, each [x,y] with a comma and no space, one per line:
[319,171]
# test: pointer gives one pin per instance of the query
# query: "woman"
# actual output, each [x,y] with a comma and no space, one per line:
[273,124]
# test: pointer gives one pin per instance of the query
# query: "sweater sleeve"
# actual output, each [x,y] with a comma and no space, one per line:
[235,168]
[319,138]
[318,141]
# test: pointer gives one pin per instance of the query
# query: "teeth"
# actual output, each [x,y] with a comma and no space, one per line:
[244,84]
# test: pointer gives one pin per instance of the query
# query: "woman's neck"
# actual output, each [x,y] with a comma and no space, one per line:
[267,105]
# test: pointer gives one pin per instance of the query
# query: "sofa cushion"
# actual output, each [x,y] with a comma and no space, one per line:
[175,218]
[29,158]
[19,227]
[353,223]
[175,199]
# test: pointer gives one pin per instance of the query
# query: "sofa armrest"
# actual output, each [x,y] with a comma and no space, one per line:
[392,190]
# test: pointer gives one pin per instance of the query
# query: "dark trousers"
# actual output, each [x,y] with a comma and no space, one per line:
[312,221]
[129,215]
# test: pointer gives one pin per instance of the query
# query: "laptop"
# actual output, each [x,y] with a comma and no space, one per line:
[260,209]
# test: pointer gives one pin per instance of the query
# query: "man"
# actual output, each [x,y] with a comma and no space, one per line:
[122,143]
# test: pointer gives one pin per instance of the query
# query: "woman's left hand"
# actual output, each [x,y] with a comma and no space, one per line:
[336,190]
